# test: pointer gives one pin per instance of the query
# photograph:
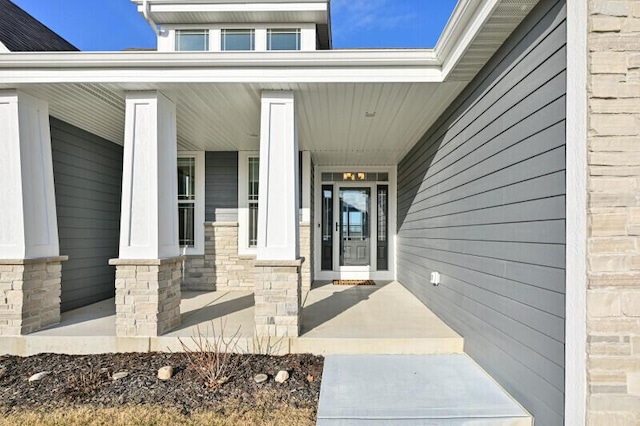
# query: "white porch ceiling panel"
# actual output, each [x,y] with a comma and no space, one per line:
[332,118]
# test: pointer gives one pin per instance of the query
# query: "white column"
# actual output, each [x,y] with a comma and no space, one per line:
[28,224]
[149,225]
[305,209]
[278,195]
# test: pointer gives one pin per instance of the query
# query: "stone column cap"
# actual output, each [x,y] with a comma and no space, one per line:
[222,224]
[51,259]
[276,263]
[146,262]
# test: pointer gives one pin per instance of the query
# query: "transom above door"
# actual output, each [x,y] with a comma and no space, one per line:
[353,230]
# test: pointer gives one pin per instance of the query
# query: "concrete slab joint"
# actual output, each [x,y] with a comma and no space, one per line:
[29,294]
[278,297]
[148,296]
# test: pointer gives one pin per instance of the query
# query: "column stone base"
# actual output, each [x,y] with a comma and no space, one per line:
[29,294]
[278,298]
[147,296]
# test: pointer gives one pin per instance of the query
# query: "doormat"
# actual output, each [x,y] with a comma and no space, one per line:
[354,282]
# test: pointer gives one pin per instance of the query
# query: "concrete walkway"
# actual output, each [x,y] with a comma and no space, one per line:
[445,390]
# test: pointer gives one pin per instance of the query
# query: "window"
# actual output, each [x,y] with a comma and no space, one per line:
[236,40]
[192,40]
[186,201]
[254,181]
[191,176]
[283,39]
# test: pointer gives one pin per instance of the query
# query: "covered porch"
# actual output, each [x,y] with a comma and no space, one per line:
[191,184]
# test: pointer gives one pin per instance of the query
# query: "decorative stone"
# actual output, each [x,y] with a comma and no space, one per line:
[39,376]
[165,373]
[261,378]
[120,375]
[282,376]
[3,372]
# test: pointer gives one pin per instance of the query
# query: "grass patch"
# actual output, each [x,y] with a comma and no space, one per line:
[230,415]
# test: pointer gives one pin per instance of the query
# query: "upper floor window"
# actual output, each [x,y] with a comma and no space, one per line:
[283,39]
[192,40]
[241,39]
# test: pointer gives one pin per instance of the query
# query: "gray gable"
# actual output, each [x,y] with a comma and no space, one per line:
[21,32]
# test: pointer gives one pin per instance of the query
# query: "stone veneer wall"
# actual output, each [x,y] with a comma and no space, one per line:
[613,298]
[29,295]
[305,252]
[223,269]
[147,296]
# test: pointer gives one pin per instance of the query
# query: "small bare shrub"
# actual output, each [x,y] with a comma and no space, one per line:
[212,356]
[88,382]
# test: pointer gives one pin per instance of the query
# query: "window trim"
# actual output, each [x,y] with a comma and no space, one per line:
[243,203]
[198,216]
[205,31]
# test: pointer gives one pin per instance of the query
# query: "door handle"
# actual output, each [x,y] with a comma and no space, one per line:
[337,229]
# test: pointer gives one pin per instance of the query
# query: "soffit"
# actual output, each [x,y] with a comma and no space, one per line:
[332,118]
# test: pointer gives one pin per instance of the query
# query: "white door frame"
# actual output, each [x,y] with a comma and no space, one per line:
[355,272]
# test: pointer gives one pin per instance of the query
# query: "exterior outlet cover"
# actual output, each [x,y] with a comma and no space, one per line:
[435,278]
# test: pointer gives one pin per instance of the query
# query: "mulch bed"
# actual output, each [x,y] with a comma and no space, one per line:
[86,380]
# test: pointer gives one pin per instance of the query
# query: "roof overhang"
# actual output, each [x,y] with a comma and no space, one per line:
[408,88]
[235,11]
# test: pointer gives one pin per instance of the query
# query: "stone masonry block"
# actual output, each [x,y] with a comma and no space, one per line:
[604,303]
[631,304]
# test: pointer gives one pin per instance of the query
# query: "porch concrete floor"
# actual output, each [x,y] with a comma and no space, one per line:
[381,319]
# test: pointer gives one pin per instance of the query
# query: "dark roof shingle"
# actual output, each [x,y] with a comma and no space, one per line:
[21,32]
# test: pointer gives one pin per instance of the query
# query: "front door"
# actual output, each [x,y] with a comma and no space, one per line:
[354,226]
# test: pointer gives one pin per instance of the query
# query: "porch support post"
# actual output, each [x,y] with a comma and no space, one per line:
[278,284]
[148,271]
[30,261]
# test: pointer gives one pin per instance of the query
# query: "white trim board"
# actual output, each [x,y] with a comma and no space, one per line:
[576,216]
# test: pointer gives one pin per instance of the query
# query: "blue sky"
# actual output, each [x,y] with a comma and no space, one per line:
[115,24]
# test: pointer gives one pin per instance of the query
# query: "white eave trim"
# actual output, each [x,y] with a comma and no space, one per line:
[332,66]
[211,67]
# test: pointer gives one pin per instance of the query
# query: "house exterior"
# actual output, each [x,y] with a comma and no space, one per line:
[246,153]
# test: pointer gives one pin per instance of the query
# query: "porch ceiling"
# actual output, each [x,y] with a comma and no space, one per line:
[332,117]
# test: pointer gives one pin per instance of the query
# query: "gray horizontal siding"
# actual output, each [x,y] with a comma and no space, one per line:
[481,199]
[221,186]
[88,182]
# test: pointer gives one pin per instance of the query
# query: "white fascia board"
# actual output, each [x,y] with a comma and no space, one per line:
[465,24]
[211,67]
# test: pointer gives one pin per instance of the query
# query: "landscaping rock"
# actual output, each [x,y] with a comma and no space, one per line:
[120,375]
[38,376]
[282,376]
[261,378]
[165,373]
[3,372]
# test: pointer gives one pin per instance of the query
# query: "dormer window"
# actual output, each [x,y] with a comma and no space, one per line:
[238,39]
[192,40]
[283,39]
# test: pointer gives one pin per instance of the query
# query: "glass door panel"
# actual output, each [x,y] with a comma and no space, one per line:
[327,228]
[355,241]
